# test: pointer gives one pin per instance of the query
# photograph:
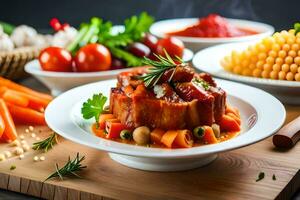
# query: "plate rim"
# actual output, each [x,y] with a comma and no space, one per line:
[234,77]
[105,145]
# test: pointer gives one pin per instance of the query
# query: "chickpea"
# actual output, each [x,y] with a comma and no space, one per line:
[216,129]
[141,135]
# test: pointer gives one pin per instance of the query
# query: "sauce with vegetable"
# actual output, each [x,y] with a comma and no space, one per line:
[213,26]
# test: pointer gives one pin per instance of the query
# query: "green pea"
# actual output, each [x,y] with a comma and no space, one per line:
[198,132]
[126,135]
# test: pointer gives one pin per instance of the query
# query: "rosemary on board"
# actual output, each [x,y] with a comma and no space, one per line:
[274,177]
[46,144]
[261,176]
[69,169]
[159,68]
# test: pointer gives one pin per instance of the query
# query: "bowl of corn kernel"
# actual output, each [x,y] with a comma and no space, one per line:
[272,64]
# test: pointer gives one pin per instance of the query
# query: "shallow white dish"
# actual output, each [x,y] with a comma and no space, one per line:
[59,82]
[161,28]
[258,122]
[208,60]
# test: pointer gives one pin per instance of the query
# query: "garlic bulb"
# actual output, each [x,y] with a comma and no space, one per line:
[24,36]
[5,42]
[64,37]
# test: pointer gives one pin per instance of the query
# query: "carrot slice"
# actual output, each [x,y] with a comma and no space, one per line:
[103,118]
[14,86]
[10,132]
[184,139]
[11,97]
[114,129]
[169,137]
[156,135]
[26,115]
[98,132]
[228,123]
[2,126]
[232,110]
[209,135]
[237,119]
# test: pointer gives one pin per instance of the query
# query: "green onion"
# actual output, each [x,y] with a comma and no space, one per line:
[198,132]
[7,28]
[92,31]
[75,44]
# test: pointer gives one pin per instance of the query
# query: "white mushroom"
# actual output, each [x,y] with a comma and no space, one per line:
[141,135]
[64,37]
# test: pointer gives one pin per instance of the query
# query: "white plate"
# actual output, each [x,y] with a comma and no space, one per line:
[59,82]
[208,60]
[161,28]
[258,122]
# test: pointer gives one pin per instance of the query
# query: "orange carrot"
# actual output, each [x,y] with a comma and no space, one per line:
[237,119]
[26,115]
[3,90]
[209,135]
[103,118]
[16,99]
[14,86]
[169,137]
[34,102]
[156,135]
[232,110]
[227,123]
[114,129]
[98,132]
[184,139]
[2,126]
[10,132]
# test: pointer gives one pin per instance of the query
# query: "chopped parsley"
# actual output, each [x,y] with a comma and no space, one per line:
[200,82]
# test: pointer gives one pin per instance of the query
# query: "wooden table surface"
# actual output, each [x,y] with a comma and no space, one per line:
[231,176]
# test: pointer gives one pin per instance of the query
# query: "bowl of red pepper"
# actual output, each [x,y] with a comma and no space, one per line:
[199,33]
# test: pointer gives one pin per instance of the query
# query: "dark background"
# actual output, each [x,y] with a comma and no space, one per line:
[279,13]
[282,14]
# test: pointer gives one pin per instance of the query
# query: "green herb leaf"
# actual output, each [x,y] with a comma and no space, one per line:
[274,177]
[297,28]
[93,107]
[125,55]
[158,69]
[200,82]
[12,167]
[69,169]
[261,176]
[46,144]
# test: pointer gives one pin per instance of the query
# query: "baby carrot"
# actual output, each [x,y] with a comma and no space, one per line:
[14,86]
[31,116]
[14,98]
[10,132]
[2,126]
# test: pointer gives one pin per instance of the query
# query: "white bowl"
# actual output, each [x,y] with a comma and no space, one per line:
[59,82]
[161,28]
[286,91]
[63,115]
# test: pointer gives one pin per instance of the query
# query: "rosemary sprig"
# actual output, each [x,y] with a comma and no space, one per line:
[69,169]
[46,144]
[159,68]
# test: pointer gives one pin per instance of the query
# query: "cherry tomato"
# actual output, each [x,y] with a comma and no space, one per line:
[55,59]
[139,49]
[92,58]
[150,41]
[173,46]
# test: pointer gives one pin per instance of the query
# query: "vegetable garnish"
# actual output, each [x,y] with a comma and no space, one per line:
[274,177]
[159,68]
[69,169]
[46,144]
[93,107]
[12,167]
[297,28]
[261,176]
[200,82]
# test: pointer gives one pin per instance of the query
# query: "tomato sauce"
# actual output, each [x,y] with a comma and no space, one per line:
[213,26]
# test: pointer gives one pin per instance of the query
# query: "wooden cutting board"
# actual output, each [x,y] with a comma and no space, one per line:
[231,176]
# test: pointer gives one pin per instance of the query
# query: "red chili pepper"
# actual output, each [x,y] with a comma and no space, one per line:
[56,25]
